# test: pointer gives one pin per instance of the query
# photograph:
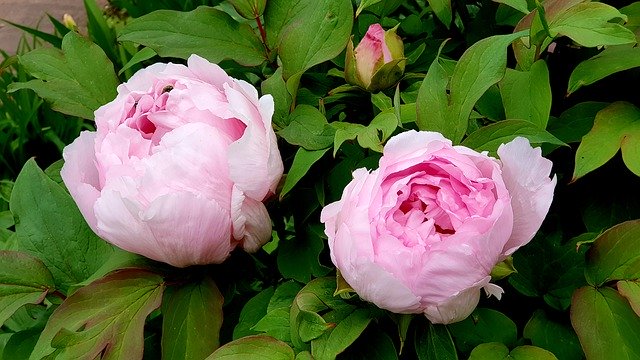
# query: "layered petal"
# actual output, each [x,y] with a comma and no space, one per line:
[526,176]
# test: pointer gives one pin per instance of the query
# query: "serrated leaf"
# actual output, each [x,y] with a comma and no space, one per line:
[302,162]
[609,61]
[615,127]
[191,322]
[526,95]
[254,347]
[490,137]
[605,323]
[50,227]
[77,80]
[103,319]
[180,34]
[615,254]
[435,343]
[23,280]
[303,43]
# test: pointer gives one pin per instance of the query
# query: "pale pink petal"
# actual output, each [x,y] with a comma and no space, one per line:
[257,226]
[369,52]
[179,215]
[80,175]
[255,165]
[208,72]
[457,307]
[526,176]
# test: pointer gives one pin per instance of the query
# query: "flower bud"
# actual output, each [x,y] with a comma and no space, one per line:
[249,9]
[377,62]
[68,22]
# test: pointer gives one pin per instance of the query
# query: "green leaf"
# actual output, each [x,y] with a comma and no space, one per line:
[443,11]
[605,323]
[527,94]
[435,343]
[490,137]
[589,24]
[275,323]
[369,137]
[276,86]
[191,320]
[631,291]
[21,344]
[23,280]
[77,80]
[254,347]
[298,258]
[481,66]
[575,122]
[365,4]
[345,332]
[142,55]
[615,127]
[103,319]
[254,310]
[98,29]
[615,254]
[520,5]
[315,297]
[303,43]
[302,162]
[308,128]
[483,325]
[50,227]
[500,351]
[558,338]
[610,61]
[551,268]
[503,269]
[180,34]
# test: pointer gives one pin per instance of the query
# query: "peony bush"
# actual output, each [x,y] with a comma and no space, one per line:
[402,179]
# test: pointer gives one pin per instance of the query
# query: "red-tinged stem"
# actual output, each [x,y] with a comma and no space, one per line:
[263,34]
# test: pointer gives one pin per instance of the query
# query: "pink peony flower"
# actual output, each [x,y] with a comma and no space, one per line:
[422,233]
[179,165]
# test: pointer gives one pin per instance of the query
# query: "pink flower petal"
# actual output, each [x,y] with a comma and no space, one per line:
[526,176]
[80,175]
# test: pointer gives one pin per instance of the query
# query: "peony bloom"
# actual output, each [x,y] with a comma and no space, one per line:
[422,233]
[179,165]
[377,62]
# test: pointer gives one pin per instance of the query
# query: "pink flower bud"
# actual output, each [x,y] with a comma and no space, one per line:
[377,62]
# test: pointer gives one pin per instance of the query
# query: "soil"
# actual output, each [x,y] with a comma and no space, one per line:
[32,13]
